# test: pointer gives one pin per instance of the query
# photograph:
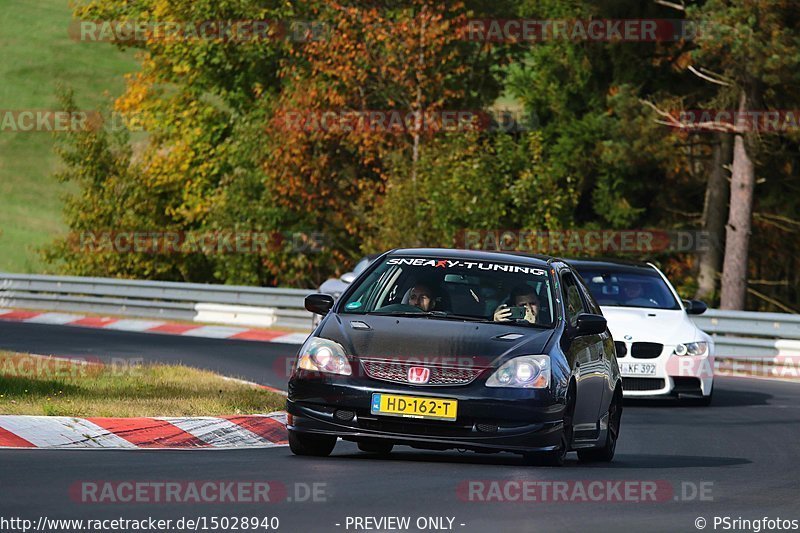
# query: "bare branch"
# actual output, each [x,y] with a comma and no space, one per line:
[673,122]
[673,5]
[773,301]
[708,78]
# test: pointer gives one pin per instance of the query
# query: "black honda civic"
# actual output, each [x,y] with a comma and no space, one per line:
[441,349]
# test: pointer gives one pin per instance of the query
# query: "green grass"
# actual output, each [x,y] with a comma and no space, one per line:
[37,385]
[36,56]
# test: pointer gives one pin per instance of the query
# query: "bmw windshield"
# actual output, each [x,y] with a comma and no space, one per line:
[455,289]
[628,289]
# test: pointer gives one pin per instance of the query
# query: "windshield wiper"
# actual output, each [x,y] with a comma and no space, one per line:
[435,314]
[455,316]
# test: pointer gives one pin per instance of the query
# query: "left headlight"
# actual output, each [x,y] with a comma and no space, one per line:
[323,355]
[691,348]
[525,372]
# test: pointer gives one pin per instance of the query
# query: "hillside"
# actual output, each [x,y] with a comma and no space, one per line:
[36,55]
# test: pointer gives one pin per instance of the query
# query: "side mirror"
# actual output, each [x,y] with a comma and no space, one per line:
[319,303]
[591,324]
[695,307]
[348,277]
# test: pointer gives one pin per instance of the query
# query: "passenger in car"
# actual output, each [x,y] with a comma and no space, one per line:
[522,296]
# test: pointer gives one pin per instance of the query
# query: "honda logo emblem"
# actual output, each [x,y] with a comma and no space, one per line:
[418,374]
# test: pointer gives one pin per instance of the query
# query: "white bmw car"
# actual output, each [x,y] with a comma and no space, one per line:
[661,352]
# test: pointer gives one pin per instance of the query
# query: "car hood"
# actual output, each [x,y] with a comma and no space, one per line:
[434,340]
[664,326]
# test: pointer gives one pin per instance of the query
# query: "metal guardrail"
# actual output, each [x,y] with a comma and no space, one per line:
[737,334]
[742,334]
[227,304]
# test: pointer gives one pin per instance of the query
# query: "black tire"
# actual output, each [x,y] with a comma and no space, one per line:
[605,453]
[554,458]
[311,445]
[376,446]
[705,401]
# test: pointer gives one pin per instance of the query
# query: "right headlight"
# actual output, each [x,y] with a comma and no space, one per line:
[524,372]
[692,348]
[323,355]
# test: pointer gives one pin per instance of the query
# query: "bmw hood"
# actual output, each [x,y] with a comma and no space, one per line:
[432,340]
[663,326]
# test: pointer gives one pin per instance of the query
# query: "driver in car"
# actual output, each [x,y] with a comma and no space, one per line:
[421,296]
[634,294]
[522,296]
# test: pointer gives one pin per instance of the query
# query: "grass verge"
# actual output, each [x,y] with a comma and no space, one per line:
[38,385]
[37,56]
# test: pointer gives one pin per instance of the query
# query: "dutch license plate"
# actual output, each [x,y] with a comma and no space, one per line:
[637,369]
[414,407]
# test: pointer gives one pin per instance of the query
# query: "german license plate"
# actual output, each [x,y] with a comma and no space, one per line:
[637,369]
[414,407]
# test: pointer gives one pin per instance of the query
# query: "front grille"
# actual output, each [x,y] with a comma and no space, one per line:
[397,372]
[345,416]
[646,350]
[642,384]
[622,350]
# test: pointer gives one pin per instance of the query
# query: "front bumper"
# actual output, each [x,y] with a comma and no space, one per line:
[675,376]
[489,420]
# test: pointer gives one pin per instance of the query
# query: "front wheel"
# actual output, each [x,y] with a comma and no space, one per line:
[310,444]
[605,454]
[703,401]
[552,458]
[558,456]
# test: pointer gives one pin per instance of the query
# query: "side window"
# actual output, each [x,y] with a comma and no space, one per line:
[572,297]
[588,298]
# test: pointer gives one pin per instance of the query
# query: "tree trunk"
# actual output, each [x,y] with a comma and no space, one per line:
[715,213]
[737,240]
[419,104]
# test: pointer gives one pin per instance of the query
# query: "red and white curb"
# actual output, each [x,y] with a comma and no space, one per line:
[153,326]
[61,432]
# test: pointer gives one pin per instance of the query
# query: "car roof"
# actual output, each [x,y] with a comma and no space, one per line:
[615,265]
[479,255]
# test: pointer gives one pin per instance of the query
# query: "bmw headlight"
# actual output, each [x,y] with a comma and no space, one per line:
[692,348]
[323,355]
[525,372]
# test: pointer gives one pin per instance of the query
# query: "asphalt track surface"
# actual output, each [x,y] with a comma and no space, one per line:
[742,452]
[260,362]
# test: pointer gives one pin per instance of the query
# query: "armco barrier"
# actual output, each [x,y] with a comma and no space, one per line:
[746,334]
[737,334]
[224,304]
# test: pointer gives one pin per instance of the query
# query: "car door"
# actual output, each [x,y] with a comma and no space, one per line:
[606,350]
[585,351]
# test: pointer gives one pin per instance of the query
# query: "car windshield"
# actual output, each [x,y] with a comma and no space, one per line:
[455,289]
[629,289]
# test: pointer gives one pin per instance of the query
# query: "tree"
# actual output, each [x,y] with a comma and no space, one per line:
[752,49]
